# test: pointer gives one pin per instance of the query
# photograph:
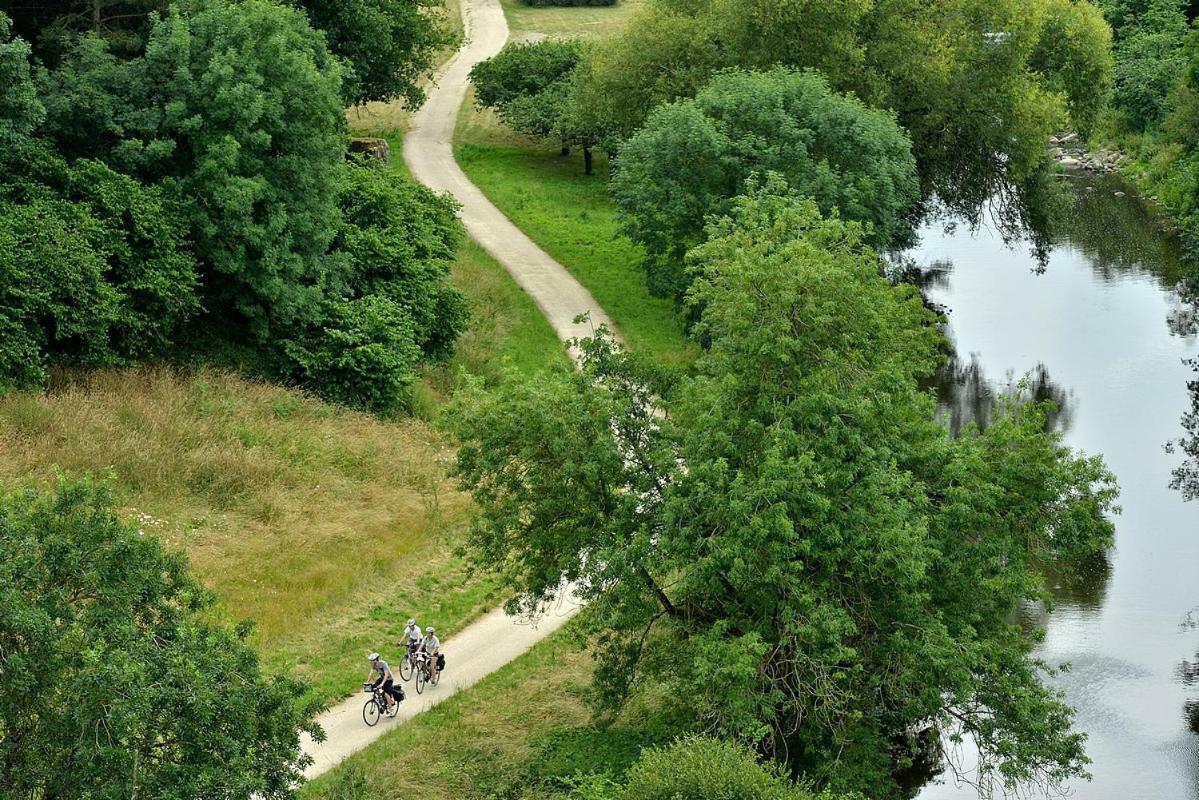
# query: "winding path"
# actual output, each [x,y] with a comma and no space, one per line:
[496,638]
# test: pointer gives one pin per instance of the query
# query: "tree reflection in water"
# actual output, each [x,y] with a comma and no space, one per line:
[965,395]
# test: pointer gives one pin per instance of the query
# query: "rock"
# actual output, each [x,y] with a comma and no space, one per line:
[1068,138]
[1118,194]
[1056,152]
[375,148]
[1070,161]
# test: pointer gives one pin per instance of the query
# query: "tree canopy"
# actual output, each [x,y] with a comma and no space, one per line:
[793,546]
[693,156]
[389,45]
[978,84]
[116,681]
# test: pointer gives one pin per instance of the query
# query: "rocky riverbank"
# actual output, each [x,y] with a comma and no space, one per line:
[1068,150]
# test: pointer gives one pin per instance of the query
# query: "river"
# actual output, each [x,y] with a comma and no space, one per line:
[1100,328]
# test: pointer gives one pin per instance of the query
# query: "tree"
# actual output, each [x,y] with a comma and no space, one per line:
[793,547]
[117,683]
[976,83]
[95,268]
[52,25]
[389,45]
[252,100]
[532,86]
[692,157]
[20,110]
[1149,59]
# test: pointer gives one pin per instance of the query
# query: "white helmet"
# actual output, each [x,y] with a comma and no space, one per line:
[411,622]
[373,657]
[429,629]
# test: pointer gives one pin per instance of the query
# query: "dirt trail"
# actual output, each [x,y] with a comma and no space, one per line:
[496,639]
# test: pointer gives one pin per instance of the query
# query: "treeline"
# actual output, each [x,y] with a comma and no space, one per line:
[781,545]
[972,91]
[1156,101]
[175,181]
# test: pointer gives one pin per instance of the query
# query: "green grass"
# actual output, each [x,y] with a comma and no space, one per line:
[518,733]
[573,219]
[524,20]
[314,521]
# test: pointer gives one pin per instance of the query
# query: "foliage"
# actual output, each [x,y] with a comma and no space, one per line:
[52,25]
[96,268]
[252,99]
[363,355]
[390,45]
[1148,55]
[693,157]
[794,549]
[706,769]
[398,240]
[104,633]
[978,84]
[20,110]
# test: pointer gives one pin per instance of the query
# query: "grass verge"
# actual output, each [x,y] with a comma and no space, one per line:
[526,22]
[522,732]
[572,218]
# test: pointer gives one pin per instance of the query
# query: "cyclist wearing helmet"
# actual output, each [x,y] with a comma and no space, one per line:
[390,691]
[432,646]
[411,638]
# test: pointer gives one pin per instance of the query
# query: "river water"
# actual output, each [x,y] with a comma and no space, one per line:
[1100,328]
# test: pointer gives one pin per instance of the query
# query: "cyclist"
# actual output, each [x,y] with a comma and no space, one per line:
[431,645]
[391,692]
[412,636]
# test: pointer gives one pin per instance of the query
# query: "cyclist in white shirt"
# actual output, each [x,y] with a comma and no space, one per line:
[411,636]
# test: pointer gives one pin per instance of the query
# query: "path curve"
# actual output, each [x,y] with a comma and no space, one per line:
[495,639]
[429,153]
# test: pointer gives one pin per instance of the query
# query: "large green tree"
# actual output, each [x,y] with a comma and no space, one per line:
[251,97]
[114,681]
[389,45]
[692,157]
[788,542]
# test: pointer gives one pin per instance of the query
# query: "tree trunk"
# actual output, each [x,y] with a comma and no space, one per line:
[586,160]
[96,16]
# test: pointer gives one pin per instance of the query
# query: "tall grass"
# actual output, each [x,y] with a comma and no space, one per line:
[325,526]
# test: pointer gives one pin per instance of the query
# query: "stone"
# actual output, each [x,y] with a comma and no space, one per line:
[1118,194]
[375,148]
[1070,161]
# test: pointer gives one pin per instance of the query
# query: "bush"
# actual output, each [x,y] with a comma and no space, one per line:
[363,355]
[95,268]
[397,239]
[706,769]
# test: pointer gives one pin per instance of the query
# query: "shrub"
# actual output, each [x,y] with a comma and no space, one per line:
[706,769]
[363,355]
[397,239]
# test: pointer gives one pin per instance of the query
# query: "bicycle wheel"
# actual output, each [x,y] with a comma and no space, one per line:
[406,667]
[420,678]
[370,712]
[395,708]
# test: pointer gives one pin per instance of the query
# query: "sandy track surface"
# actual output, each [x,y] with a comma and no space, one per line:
[429,153]
[496,639]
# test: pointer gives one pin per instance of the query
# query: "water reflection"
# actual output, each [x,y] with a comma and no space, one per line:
[965,395]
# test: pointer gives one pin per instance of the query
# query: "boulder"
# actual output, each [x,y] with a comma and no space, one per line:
[375,148]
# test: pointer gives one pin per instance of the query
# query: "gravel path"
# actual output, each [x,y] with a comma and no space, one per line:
[495,639]
[428,150]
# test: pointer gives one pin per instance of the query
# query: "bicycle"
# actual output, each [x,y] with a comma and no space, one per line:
[406,664]
[424,672]
[377,706]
